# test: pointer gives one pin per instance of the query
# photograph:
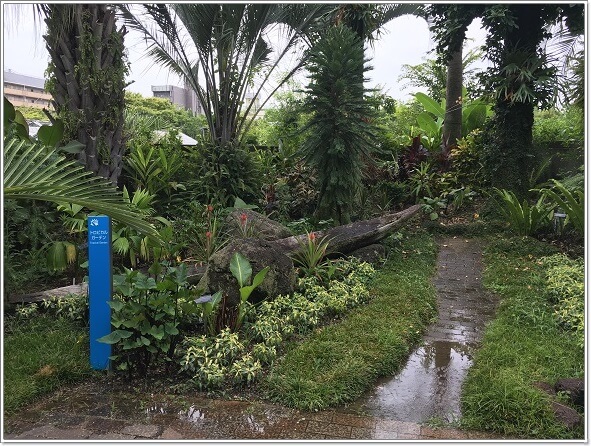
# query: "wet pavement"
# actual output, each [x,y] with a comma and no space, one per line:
[428,387]
[93,412]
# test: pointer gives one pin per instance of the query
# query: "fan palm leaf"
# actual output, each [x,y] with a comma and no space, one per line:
[222,51]
[34,172]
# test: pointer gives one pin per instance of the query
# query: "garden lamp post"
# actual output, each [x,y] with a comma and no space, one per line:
[559,217]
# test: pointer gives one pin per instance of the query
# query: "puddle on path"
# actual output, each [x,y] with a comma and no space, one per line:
[429,386]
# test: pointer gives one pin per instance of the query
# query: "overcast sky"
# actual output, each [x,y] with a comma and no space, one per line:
[405,40]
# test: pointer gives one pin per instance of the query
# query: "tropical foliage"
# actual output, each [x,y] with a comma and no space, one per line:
[35,172]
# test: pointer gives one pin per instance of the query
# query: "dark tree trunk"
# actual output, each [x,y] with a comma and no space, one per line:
[87,81]
[509,157]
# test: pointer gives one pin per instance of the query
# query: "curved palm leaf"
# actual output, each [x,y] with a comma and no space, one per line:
[34,172]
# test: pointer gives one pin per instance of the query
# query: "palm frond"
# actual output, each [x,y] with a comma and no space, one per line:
[34,172]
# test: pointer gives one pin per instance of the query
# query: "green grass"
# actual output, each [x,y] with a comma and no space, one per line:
[337,363]
[41,354]
[524,344]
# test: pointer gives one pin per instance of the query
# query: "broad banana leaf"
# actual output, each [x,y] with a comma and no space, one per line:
[35,172]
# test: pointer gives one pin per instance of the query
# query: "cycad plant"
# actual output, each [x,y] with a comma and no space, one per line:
[523,218]
[341,134]
[35,172]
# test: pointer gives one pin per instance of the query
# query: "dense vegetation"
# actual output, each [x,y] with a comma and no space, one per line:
[536,336]
[325,153]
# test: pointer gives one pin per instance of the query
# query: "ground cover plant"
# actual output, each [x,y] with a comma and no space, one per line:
[43,351]
[527,342]
[340,361]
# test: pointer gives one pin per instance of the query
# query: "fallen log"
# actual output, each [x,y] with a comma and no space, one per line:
[347,238]
[276,254]
[48,294]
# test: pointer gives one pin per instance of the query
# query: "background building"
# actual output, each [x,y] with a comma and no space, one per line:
[187,98]
[182,97]
[23,90]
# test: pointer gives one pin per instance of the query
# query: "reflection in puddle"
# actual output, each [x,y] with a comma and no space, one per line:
[254,425]
[193,414]
[155,409]
[429,386]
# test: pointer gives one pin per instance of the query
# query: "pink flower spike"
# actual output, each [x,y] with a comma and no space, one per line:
[208,234]
[243,218]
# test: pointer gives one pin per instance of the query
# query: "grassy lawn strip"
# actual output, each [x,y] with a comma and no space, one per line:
[337,363]
[524,344]
[40,355]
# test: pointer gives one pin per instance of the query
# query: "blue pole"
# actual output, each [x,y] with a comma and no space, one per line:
[100,288]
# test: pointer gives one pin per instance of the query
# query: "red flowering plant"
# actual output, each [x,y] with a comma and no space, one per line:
[245,227]
[311,257]
[209,240]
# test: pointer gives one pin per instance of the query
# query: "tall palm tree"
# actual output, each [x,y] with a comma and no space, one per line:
[223,51]
[86,77]
[463,15]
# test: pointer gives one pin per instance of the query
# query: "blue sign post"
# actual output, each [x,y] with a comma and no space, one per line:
[100,288]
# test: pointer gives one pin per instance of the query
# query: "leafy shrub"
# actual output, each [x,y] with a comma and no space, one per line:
[523,218]
[147,312]
[208,359]
[222,173]
[73,307]
[245,370]
[239,357]
[558,129]
[566,290]
[465,161]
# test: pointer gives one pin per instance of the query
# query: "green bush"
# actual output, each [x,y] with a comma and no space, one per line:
[147,313]
[239,357]
[558,129]
[566,289]
[523,218]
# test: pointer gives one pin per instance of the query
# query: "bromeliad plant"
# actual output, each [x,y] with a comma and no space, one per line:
[311,257]
[147,312]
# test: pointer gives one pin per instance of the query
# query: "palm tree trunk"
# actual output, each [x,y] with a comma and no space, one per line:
[87,80]
[452,125]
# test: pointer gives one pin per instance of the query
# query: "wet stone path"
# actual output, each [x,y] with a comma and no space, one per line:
[427,387]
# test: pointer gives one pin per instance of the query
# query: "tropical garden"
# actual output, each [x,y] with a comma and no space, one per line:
[496,154]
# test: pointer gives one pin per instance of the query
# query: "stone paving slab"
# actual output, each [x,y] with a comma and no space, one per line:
[248,421]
